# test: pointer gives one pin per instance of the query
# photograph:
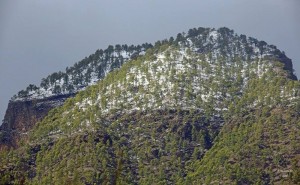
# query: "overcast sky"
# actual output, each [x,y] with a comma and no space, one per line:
[38,37]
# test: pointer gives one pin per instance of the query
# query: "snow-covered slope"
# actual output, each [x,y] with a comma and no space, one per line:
[176,75]
[156,118]
[214,43]
[84,73]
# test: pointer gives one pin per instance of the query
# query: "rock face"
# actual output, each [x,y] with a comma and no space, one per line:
[21,116]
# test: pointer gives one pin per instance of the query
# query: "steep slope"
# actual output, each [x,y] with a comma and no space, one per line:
[259,142]
[162,117]
[32,104]
[263,149]
[21,116]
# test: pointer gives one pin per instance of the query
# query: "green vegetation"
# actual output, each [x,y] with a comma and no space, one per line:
[258,144]
[188,111]
[84,72]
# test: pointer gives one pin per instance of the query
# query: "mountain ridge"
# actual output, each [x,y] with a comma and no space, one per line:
[57,86]
[92,68]
[164,117]
[115,56]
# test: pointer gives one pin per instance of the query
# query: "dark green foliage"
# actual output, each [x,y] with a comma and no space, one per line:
[135,148]
[209,116]
[80,75]
[254,146]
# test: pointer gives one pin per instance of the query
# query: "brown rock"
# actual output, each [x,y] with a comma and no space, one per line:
[21,116]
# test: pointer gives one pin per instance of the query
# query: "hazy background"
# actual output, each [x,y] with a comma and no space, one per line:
[38,37]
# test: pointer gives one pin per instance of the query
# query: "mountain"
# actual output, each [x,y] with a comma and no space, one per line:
[31,105]
[208,107]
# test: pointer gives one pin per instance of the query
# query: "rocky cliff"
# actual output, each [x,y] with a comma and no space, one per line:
[21,116]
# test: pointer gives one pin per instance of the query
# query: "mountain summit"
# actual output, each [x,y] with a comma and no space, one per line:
[206,107]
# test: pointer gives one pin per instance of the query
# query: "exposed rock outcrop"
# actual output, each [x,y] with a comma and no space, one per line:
[21,116]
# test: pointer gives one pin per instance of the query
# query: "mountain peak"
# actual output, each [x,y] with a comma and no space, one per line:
[221,42]
[209,106]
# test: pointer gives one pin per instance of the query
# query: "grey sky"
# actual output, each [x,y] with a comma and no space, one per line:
[38,37]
